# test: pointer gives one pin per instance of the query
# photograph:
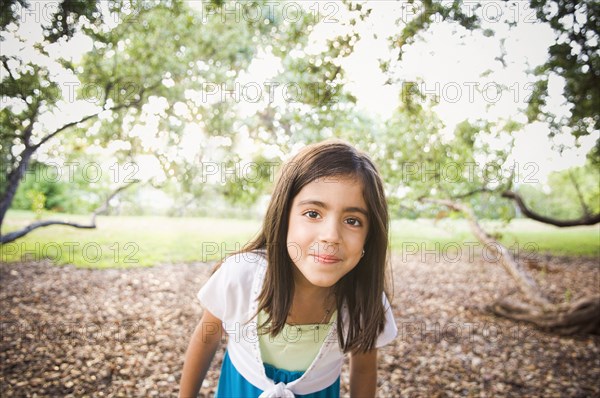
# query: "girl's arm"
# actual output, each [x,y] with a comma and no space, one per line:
[201,350]
[363,374]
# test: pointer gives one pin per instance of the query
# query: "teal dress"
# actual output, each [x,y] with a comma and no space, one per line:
[233,385]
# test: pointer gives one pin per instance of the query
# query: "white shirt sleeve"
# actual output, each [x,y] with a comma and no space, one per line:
[226,293]
[390,329]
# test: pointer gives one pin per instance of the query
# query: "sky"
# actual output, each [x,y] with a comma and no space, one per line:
[462,68]
[452,63]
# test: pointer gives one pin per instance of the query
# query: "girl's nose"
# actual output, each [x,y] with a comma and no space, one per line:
[330,232]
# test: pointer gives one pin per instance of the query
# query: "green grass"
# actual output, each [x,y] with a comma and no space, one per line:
[520,236]
[143,241]
[127,241]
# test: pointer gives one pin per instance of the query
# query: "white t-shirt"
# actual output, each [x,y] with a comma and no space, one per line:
[231,295]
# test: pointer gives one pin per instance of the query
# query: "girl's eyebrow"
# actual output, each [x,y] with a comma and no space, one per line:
[351,209]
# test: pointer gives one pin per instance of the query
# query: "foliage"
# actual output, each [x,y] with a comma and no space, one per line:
[124,76]
[155,79]
[430,9]
[38,190]
[419,159]
[62,22]
[29,88]
[77,188]
[575,57]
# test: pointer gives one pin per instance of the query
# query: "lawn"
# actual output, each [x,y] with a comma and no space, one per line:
[128,241]
[520,236]
[144,241]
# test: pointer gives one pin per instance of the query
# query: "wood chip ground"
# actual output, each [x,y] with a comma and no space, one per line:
[123,333]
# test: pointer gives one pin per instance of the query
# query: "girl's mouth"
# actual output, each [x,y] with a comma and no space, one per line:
[326,259]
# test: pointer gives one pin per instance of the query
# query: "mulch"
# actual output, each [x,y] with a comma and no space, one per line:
[123,333]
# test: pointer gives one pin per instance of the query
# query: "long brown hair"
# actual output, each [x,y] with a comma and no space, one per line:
[361,288]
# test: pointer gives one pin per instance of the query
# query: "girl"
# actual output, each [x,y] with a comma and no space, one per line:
[306,291]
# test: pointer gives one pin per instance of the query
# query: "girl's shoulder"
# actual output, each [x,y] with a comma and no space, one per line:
[243,265]
[227,292]
[250,260]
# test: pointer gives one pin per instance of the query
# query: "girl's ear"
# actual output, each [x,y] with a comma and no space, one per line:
[363,253]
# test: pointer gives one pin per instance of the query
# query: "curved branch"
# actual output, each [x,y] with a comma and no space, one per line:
[471,193]
[12,236]
[66,126]
[525,282]
[565,318]
[527,212]
[84,119]
[103,208]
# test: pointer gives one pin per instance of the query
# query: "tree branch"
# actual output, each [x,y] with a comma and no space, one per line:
[527,212]
[116,108]
[12,236]
[66,126]
[524,281]
[471,193]
[103,208]
[5,64]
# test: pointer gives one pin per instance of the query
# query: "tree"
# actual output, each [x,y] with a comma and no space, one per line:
[184,83]
[29,93]
[136,58]
[575,58]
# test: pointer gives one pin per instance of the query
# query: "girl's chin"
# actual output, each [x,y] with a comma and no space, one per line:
[320,281]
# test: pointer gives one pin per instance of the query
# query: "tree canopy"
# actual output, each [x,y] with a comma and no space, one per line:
[173,84]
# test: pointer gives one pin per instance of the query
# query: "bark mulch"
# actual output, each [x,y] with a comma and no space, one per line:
[123,333]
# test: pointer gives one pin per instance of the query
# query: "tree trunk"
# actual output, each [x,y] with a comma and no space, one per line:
[582,316]
[13,181]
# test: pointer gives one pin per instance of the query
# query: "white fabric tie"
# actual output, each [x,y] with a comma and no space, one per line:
[279,390]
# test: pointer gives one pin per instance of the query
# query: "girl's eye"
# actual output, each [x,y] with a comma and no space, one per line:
[311,214]
[354,222]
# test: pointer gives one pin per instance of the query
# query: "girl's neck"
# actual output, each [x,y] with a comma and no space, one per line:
[311,305]
[303,289]
[314,294]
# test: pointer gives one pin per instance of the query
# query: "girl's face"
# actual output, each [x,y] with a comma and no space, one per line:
[328,226]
